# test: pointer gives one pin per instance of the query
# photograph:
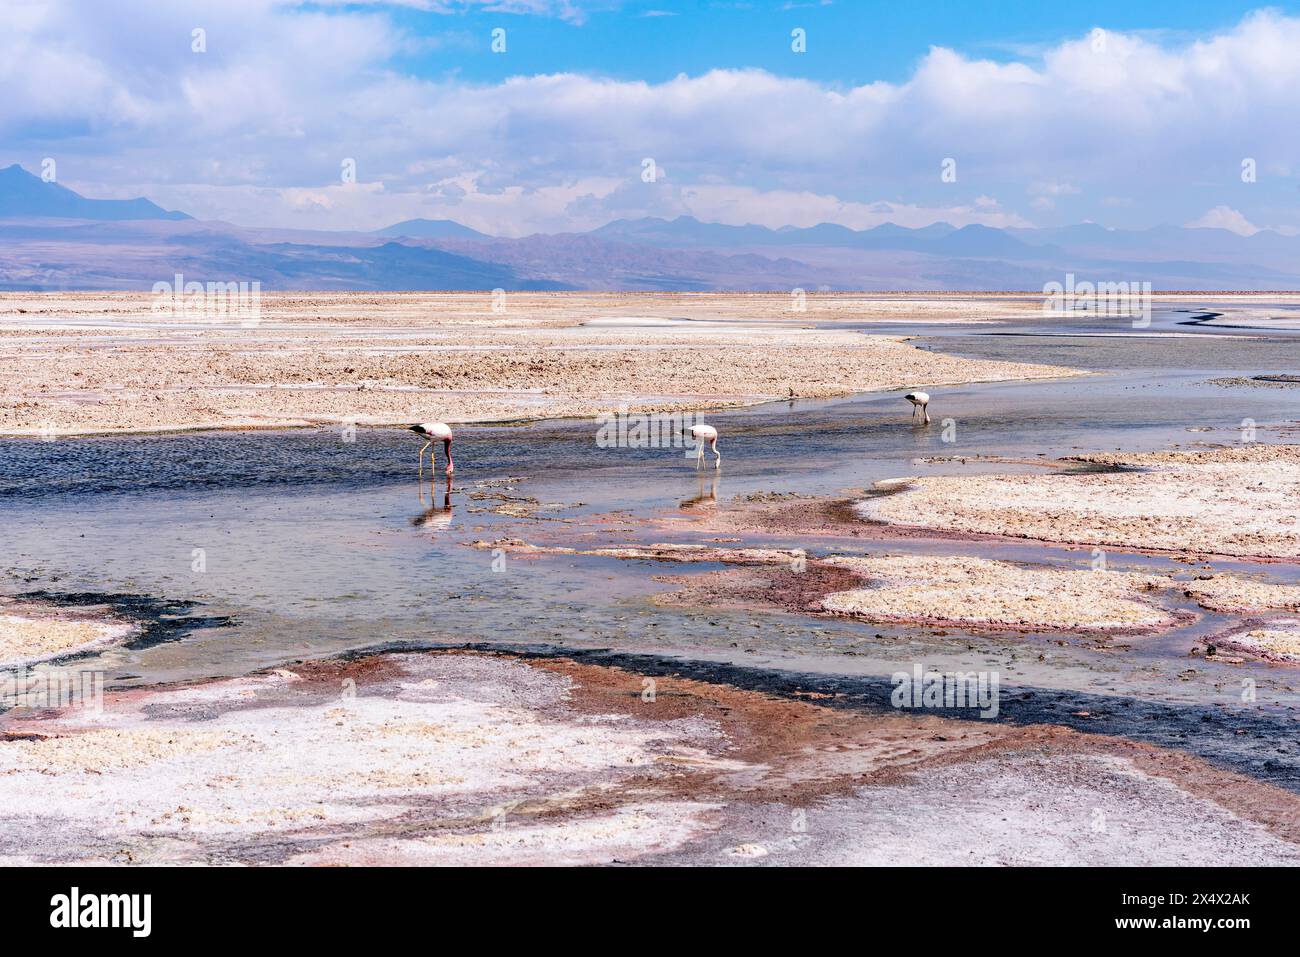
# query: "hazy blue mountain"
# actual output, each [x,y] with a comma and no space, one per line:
[684,231]
[1162,255]
[933,231]
[52,238]
[983,242]
[823,234]
[431,229]
[937,237]
[25,195]
[392,266]
[135,255]
[589,262]
[1067,235]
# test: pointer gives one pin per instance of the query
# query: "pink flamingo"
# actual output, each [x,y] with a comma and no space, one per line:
[920,401]
[702,434]
[433,431]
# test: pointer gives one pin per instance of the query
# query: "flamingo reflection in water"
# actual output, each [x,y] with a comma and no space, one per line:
[435,516]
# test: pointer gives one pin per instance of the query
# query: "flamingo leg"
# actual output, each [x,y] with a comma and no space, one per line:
[422,459]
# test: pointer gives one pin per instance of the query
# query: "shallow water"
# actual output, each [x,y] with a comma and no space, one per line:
[297,544]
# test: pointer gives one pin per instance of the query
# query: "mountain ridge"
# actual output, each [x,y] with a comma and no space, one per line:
[23,194]
[53,238]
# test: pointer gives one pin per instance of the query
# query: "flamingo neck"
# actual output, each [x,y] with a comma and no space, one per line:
[446,445]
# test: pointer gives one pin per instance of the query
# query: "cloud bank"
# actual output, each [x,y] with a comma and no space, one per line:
[258,126]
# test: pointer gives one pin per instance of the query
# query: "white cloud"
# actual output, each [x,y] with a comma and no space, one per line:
[1225,217]
[1044,194]
[255,129]
[572,10]
[1052,189]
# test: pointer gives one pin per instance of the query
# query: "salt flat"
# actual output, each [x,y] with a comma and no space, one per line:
[480,759]
[100,362]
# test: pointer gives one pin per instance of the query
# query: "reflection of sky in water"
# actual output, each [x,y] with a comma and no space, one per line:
[315,545]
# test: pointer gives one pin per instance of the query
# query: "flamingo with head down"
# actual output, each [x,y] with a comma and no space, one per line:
[434,432]
[702,434]
[919,402]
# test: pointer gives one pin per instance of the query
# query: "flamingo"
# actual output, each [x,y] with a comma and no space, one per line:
[919,400]
[433,431]
[702,434]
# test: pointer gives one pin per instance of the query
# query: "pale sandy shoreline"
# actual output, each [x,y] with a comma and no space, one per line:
[84,364]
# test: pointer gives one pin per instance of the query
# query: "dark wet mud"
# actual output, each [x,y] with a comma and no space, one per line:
[1241,739]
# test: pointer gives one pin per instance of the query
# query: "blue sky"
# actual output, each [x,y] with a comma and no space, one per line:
[850,42]
[1130,115]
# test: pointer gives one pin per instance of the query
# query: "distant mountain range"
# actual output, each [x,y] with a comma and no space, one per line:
[54,238]
[22,194]
[431,229]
